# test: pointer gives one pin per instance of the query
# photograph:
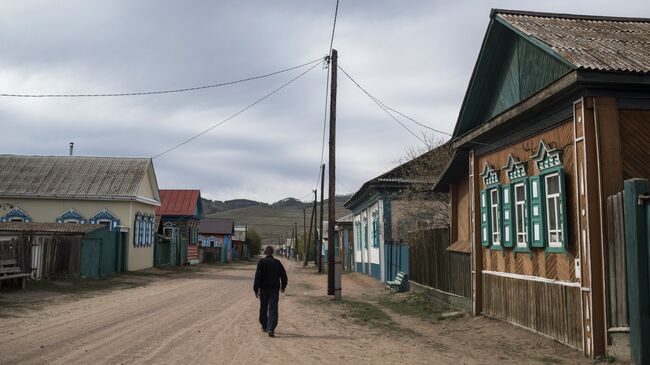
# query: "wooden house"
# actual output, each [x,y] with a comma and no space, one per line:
[383,215]
[345,240]
[216,244]
[120,193]
[179,214]
[555,117]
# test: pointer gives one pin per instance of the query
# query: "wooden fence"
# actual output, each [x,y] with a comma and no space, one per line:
[45,256]
[553,309]
[617,307]
[432,265]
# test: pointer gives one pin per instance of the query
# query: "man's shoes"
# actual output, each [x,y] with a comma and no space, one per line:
[264,329]
[271,334]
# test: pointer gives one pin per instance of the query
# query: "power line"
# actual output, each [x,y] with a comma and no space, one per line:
[336,12]
[327,85]
[379,104]
[237,113]
[157,92]
[387,108]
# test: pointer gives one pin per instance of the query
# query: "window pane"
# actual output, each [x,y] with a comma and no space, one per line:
[553,184]
[520,193]
[552,218]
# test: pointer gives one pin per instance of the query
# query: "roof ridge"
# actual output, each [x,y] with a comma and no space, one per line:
[76,156]
[539,14]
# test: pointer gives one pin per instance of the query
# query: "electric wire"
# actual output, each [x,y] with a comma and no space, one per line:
[158,92]
[327,88]
[381,106]
[237,113]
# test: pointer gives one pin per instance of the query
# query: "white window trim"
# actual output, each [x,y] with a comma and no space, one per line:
[495,217]
[521,205]
[558,218]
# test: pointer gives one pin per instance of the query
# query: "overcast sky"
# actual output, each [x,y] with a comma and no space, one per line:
[416,56]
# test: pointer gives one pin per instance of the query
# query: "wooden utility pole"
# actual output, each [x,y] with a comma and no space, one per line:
[311,226]
[333,267]
[295,241]
[319,254]
[304,231]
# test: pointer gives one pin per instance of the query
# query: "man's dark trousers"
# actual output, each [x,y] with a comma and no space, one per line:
[269,308]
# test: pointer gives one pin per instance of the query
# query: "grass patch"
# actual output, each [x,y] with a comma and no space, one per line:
[367,313]
[419,304]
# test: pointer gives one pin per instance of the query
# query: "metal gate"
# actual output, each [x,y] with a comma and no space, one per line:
[637,240]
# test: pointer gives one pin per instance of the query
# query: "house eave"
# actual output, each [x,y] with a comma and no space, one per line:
[85,197]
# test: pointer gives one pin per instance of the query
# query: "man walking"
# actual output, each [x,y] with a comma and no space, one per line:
[270,280]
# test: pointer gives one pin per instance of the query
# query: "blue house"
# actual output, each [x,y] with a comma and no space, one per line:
[383,218]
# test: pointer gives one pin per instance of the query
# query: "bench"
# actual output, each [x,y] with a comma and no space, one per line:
[9,269]
[400,283]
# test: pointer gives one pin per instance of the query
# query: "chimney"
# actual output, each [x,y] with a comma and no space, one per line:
[71,147]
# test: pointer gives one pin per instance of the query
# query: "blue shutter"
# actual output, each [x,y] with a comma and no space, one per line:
[537,227]
[486,230]
[507,226]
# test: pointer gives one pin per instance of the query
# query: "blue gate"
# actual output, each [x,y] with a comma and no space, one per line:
[396,259]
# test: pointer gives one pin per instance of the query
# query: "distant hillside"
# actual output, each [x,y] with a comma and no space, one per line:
[213,206]
[274,221]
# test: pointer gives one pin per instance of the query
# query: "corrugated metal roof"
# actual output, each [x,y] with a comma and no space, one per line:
[178,202]
[76,177]
[217,226]
[589,42]
[33,227]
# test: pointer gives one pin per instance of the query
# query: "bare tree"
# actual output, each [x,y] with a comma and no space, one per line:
[420,207]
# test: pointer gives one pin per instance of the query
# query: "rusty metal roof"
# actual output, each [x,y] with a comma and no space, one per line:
[180,202]
[588,42]
[37,227]
[74,177]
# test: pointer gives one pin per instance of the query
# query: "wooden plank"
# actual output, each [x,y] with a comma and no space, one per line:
[8,262]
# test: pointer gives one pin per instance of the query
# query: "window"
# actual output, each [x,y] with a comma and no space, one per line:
[521,216]
[16,215]
[71,216]
[143,230]
[495,215]
[553,210]
[375,229]
[548,201]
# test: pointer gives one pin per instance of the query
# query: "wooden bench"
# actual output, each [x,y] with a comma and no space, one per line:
[400,283]
[9,269]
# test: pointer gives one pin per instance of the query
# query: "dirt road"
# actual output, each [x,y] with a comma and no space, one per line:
[208,316]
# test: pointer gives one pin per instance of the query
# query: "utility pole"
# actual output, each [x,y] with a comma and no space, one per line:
[295,241]
[311,225]
[304,231]
[321,234]
[333,262]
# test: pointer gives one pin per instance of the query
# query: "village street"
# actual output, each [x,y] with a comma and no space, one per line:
[207,314]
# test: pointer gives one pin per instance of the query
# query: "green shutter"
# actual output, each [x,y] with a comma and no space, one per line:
[507,226]
[485,219]
[563,204]
[537,231]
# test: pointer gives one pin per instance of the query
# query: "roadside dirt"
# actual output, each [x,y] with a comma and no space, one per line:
[209,315]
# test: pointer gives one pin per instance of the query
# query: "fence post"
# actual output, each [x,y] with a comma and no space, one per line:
[638,276]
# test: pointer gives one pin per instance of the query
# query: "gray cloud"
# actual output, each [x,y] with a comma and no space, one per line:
[416,56]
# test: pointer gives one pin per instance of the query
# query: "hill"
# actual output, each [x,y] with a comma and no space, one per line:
[275,221]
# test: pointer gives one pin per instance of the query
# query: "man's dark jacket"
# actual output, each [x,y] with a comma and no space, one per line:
[270,274]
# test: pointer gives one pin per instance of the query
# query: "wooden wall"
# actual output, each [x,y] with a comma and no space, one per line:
[553,309]
[538,263]
[635,134]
